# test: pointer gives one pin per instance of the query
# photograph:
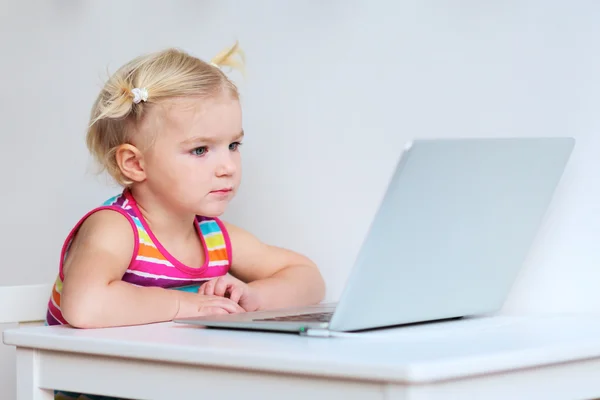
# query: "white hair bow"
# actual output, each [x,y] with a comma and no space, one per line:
[139,95]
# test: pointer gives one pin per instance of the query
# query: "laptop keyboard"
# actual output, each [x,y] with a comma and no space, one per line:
[313,317]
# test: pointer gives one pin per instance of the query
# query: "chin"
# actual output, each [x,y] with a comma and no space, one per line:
[211,211]
[210,214]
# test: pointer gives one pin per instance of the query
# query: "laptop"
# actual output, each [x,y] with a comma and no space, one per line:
[450,235]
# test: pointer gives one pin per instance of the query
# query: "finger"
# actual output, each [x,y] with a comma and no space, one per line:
[209,287]
[236,294]
[213,311]
[230,306]
[220,287]
[201,289]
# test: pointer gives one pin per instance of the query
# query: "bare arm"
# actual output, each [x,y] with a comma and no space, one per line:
[94,294]
[282,277]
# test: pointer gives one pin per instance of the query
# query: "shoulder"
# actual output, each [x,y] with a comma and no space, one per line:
[246,246]
[240,235]
[113,219]
[108,223]
[254,259]
[106,232]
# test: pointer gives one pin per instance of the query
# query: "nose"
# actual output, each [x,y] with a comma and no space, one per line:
[226,166]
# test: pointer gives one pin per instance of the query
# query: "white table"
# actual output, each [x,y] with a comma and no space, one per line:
[552,357]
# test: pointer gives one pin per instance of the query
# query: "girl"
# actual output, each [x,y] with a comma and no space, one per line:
[168,128]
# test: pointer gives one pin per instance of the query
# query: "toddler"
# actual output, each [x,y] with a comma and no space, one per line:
[168,128]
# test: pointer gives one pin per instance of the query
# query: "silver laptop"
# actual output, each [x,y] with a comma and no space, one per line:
[450,235]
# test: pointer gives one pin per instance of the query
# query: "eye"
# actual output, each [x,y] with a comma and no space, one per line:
[199,151]
[234,146]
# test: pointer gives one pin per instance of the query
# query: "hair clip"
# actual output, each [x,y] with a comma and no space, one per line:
[139,95]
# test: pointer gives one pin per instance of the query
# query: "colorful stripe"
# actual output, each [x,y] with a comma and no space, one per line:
[151,264]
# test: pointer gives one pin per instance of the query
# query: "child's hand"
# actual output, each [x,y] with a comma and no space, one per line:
[198,305]
[233,288]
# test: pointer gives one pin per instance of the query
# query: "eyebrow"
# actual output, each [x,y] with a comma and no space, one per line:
[208,139]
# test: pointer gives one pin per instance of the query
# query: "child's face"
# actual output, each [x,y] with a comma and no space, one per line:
[194,164]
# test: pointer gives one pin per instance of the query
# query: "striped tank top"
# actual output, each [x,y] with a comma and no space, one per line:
[151,264]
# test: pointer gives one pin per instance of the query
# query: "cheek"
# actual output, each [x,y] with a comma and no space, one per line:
[238,165]
[192,171]
[161,168]
[168,170]
[236,157]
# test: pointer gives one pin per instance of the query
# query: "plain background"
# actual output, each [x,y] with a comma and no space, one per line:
[333,91]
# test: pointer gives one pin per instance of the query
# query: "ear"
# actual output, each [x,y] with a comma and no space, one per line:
[131,162]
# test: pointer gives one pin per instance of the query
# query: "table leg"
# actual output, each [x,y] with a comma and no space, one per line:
[28,371]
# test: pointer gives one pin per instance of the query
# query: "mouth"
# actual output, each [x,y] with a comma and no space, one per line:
[221,191]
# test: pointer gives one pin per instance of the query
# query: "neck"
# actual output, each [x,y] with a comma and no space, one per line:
[162,219]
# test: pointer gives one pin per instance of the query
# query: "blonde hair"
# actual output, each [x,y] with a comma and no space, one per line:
[147,80]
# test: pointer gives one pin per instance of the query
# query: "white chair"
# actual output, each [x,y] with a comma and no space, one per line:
[24,304]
